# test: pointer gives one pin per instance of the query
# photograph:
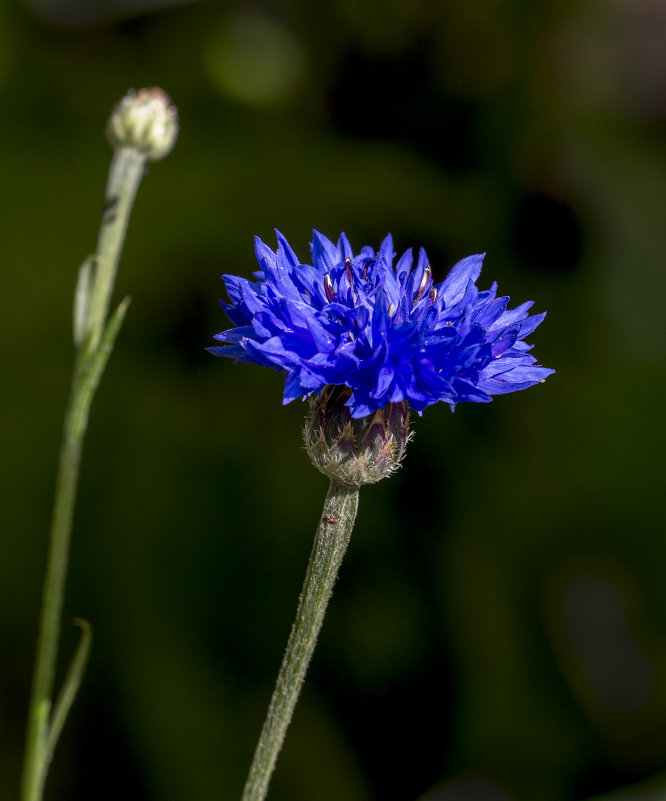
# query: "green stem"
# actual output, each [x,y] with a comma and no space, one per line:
[329,547]
[127,169]
[125,173]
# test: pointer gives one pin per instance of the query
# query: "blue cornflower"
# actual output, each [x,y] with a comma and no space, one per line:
[384,330]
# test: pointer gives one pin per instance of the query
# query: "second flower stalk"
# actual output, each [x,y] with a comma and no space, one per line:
[142,127]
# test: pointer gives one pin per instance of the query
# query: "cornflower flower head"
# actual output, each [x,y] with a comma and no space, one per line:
[382,328]
[366,339]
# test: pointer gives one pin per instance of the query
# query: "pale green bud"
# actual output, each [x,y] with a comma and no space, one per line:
[146,121]
[355,451]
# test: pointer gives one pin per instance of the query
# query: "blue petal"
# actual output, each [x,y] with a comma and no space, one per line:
[454,285]
[264,254]
[513,315]
[385,252]
[344,248]
[512,379]
[487,315]
[324,252]
[404,265]
[531,324]
[283,245]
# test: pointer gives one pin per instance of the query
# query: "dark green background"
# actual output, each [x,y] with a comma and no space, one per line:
[499,629]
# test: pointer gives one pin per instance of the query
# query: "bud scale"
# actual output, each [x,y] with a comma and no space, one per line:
[355,451]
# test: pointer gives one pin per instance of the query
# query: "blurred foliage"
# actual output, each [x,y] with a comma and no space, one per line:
[499,628]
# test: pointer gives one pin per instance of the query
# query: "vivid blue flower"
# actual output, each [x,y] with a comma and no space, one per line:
[384,330]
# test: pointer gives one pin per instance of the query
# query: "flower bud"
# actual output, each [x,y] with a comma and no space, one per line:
[352,450]
[146,121]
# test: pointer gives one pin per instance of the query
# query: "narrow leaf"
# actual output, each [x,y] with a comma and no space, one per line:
[82,295]
[70,687]
[96,361]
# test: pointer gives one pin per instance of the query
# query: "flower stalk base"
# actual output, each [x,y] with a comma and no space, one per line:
[331,540]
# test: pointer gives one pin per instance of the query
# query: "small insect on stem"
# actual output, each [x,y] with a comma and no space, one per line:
[329,518]
[109,209]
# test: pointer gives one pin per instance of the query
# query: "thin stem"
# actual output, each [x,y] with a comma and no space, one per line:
[53,593]
[329,547]
[125,173]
